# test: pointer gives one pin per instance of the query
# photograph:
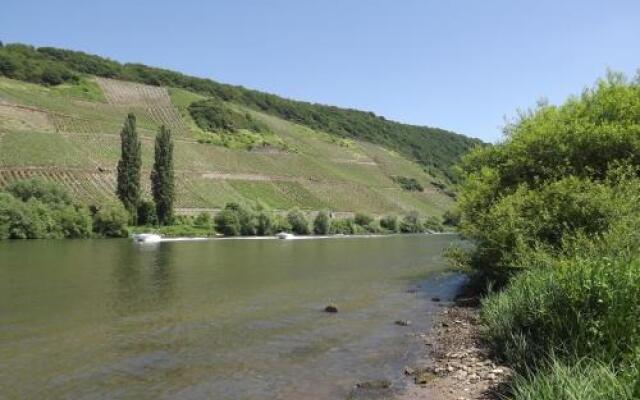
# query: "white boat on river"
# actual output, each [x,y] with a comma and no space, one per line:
[147,238]
[285,235]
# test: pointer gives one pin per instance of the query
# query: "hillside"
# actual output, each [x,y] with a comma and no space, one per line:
[61,113]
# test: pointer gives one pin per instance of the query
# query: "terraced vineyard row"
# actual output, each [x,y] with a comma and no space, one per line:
[154,100]
[87,187]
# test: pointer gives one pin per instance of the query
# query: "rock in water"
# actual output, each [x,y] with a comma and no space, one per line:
[375,385]
[331,308]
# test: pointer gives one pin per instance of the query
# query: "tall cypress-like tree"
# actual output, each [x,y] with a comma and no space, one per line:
[129,166]
[162,184]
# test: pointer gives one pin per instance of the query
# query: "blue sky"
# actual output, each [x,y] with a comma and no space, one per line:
[459,65]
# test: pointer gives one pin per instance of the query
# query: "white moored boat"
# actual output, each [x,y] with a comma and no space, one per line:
[147,238]
[285,235]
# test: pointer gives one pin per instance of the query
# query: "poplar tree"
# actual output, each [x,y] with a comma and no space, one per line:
[162,185]
[129,166]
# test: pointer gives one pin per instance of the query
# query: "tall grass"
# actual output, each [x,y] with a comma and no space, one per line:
[585,380]
[580,307]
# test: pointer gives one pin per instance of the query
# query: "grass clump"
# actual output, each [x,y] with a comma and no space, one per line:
[585,380]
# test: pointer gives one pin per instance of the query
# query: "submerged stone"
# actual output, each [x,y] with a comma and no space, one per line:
[331,308]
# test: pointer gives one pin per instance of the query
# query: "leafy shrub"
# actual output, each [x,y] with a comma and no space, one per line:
[47,192]
[281,224]
[203,220]
[581,305]
[363,219]
[390,223]
[408,184]
[35,209]
[411,223]
[345,226]
[550,151]
[264,224]
[147,213]
[17,221]
[299,223]
[545,217]
[451,218]
[214,115]
[110,220]
[322,224]
[228,222]
[74,222]
[432,223]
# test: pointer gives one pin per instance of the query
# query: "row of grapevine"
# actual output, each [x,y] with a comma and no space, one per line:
[154,100]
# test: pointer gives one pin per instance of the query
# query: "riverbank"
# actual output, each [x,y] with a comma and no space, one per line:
[458,364]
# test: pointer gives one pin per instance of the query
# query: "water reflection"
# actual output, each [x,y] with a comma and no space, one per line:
[143,279]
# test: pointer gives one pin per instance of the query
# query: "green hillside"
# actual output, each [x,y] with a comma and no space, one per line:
[61,113]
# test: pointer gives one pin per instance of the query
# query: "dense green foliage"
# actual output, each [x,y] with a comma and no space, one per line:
[147,213]
[128,188]
[214,115]
[228,222]
[239,220]
[434,148]
[110,220]
[34,209]
[298,221]
[162,184]
[322,223]
[555,213]
[553,166]
[390,223]
[409,184]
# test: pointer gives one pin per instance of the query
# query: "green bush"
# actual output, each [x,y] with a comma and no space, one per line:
[110,220]
[215,116]
[565,151]
[346,226]
[451,218]
[17,221]
[576,306]
[74,222]
[228,222]
[433,223]
[322,224]
[34,209]
[147,213]
[203,220]
[390,223]
[281,224]
[411,223]
[363,219]
[264,224]
[558,201]
[408,184]
[46,192]
[298,221]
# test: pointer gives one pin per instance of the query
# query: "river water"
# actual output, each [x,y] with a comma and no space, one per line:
[219,319]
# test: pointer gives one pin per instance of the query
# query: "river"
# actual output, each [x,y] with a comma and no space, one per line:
[220,319]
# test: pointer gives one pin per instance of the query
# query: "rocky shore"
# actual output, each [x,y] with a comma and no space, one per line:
[458,365]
